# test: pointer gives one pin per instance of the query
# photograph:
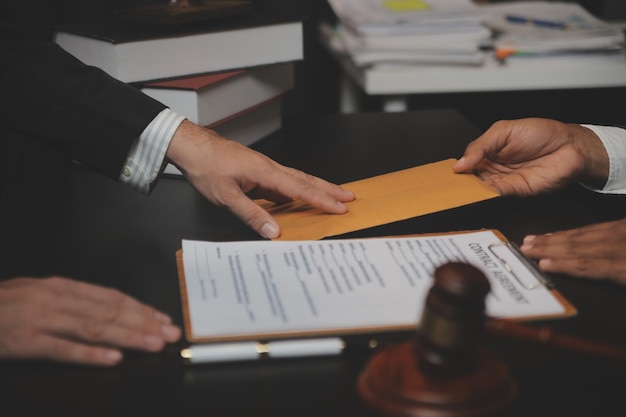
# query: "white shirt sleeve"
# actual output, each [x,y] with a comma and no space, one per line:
[614,141]
[146,156]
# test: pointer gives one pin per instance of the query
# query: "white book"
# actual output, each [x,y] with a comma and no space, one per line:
[248,127]
[137,56]
[208,99]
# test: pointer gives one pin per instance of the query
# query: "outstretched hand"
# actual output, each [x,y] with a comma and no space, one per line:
[229,174]
[71,321]
[532,156]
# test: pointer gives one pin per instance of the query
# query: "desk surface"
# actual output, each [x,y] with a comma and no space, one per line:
[93,229]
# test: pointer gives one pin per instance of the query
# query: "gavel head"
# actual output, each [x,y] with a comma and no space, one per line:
[452,321]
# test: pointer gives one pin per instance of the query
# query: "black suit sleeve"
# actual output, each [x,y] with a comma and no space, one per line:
[82,111]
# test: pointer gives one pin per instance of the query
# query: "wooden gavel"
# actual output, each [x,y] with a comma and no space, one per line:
[462,307]
[444,371]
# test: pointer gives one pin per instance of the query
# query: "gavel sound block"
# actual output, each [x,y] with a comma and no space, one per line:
[443,371]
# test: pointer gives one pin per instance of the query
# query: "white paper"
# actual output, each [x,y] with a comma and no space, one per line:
[265,287]
[583,31]
[390,16]
[411,31]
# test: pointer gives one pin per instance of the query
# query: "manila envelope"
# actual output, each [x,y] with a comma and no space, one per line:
[383,199]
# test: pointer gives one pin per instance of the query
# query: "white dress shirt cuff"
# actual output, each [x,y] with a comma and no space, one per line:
[147,154]
[614,141]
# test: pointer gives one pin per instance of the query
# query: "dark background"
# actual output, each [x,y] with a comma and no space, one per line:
[317,76]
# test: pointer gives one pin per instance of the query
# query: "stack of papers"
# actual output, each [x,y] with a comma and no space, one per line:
[540,28]
[410,31]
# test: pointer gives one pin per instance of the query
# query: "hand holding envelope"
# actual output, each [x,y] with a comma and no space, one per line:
[383,199]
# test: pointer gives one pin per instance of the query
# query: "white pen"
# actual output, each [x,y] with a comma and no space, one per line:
[242,351]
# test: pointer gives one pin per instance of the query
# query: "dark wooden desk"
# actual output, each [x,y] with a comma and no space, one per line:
[90,228]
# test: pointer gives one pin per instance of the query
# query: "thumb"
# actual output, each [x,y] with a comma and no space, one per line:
[470,159]
[256,217]
[269,229]
[461,166]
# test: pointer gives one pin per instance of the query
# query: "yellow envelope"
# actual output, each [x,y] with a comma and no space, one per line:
[383,199]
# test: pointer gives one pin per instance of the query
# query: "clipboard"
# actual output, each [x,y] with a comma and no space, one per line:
[505,252]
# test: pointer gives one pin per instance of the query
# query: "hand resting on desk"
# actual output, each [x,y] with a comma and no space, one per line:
[60,319]
[531,156]
[594,251]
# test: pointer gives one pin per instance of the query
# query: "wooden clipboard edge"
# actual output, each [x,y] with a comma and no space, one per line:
[183,294]
[568,309]
[305,334]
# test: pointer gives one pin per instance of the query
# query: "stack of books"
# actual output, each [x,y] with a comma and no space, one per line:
[242,105]
[229,77]
[374,32]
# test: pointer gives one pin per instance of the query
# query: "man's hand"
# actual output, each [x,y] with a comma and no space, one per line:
[532,156]
[595,251]
[229,174]
[71,321]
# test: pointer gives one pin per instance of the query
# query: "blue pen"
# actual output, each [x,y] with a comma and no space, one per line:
[535,22]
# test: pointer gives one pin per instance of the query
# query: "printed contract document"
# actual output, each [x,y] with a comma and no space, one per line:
[277,289]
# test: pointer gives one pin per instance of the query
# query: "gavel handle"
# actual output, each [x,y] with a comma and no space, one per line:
[546,336]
